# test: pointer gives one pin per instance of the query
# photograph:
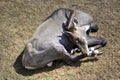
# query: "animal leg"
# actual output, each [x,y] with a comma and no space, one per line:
[65,56]
[96,42]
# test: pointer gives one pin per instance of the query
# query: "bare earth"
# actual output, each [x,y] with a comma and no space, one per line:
[20,18]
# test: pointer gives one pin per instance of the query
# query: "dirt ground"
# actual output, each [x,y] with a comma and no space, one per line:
[20,18]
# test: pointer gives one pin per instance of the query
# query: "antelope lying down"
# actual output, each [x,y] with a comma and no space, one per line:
[57,35]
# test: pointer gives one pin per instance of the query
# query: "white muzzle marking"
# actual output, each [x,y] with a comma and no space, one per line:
[86,27]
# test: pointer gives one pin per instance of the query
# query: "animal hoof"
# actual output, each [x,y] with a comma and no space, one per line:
[90,53]
[97,52]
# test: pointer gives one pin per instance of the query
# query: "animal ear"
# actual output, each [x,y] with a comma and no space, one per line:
[70,19]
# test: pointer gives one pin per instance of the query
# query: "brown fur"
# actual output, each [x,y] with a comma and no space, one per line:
[77,37]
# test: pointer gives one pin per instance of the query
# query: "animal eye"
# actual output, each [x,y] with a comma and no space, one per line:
[77,39]
[75,20]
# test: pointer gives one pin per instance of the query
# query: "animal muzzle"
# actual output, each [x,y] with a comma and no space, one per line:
[93,27]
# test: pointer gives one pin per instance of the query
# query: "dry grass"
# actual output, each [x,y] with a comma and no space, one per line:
[20,18]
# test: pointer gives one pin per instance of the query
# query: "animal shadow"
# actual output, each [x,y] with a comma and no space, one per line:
[57,64]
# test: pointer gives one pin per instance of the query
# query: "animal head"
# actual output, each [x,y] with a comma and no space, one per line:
[75,37]
[80,23]
[77,40]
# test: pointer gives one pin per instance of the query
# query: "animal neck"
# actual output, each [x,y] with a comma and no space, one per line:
[68,44]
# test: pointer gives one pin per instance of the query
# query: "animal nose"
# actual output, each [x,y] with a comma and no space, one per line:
[94,27]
